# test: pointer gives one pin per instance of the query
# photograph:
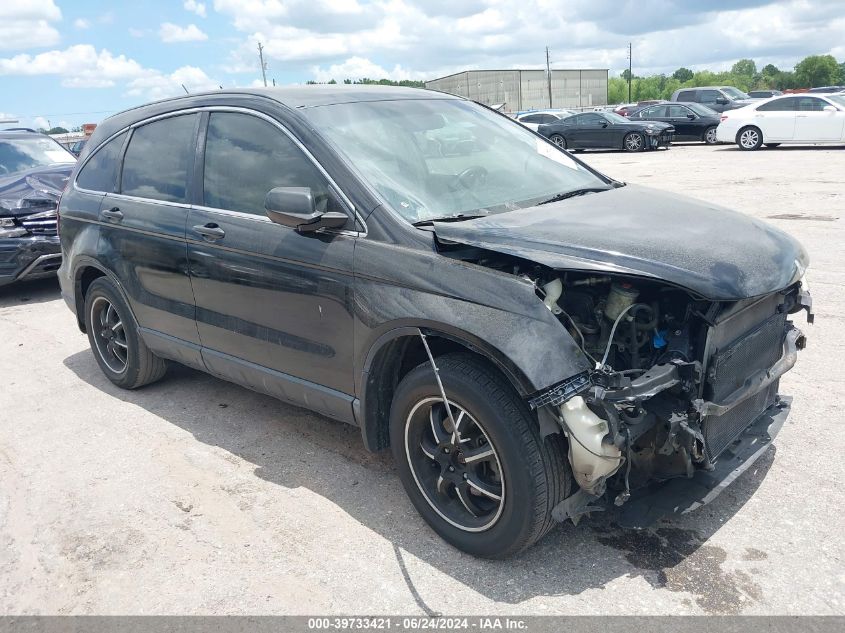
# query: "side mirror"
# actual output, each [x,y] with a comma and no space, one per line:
[829,108]
[722,101]
[604,124]
[691,117]
[295,207]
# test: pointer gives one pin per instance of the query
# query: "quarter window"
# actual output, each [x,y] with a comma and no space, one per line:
[100,172]
[246,157]
[686,95]
[158,157]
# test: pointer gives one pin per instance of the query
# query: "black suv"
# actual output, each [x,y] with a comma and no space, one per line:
[692,121]
[510,322]
[33,172]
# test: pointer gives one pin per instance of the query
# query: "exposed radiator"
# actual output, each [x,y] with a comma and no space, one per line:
[758,348]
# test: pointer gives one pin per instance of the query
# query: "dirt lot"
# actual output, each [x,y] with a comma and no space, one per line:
[197,496]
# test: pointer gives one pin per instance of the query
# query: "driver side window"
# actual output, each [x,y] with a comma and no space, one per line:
[245,157]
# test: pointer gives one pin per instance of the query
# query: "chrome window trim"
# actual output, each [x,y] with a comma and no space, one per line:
[237,109]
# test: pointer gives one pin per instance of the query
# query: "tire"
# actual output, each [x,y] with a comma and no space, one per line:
[709,136]
[633,142]
[558,140]
[118,349]
[749,138]
[772,145]
[531,474]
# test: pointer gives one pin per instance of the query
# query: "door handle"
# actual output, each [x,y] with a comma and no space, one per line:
[210,232]
[114,214]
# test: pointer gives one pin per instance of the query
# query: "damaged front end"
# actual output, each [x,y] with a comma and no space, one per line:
[677,382]
[29,242]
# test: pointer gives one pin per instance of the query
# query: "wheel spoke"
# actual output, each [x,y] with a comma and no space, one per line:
[484,488]
[442,485]
[116,325]
[465,498]
[480,454]
[437,429]
[120,344]
[427,447]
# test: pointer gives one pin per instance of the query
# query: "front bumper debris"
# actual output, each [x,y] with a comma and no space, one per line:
[681,496]
[33,257]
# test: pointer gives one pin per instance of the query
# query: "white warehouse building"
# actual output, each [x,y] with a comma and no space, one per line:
[528,89]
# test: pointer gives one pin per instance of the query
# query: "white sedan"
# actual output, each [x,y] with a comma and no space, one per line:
[534,119]
[801,118]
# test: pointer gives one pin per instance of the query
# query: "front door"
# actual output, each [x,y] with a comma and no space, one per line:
[814,123]
[777,119]
[274,306]
[142,237]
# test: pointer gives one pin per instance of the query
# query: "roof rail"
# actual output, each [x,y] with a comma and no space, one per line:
[20,129]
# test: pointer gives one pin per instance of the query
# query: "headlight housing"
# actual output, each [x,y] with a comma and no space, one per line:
[8,228]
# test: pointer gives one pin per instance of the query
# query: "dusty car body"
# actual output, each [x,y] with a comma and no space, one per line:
[30,187]
[532,339]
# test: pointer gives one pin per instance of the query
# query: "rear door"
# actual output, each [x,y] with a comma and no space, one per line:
[777,119]
[274,306]
[814,123]
[142,235]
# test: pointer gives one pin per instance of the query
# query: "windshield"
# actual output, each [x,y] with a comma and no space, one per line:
[434,158]
[735,94]
[838,100]
[18,154]
[701,110]
[614,118]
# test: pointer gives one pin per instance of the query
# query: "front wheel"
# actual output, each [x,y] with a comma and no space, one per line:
[710,135]
[634,142]
[558,140]
[478,472]
[749,138]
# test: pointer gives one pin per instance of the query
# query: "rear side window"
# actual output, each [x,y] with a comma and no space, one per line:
[533,118]
[100,172]
[157,159]
[246,157]
[787,104]
[686,95]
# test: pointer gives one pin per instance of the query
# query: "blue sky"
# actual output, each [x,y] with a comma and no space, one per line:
[72,62]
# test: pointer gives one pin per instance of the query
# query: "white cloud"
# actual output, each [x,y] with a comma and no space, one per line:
[82,23]
[28,23]
[160,85]
[137,32]
[170,32]
[430,38]
[195,7]
[40,122]
[358,68]
[80,66]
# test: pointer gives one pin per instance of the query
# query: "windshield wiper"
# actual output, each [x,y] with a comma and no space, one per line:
[447,218]
[573,193]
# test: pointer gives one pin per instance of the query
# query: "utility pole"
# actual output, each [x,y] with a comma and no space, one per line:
[630,76]
[549,76]
[263,63]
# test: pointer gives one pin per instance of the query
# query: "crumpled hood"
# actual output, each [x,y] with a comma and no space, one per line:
[30,190]
[717,253]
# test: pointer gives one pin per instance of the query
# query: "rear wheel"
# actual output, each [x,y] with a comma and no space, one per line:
[709,136]
[558,140]
[633,142]
[772,145]
[478,472]
[749,138]
[119,350]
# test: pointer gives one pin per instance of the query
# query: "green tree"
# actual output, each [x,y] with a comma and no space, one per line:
[841,73]
[682,74]
[744,68]
[332,81]
[817,70]
[770,70]
[57,130]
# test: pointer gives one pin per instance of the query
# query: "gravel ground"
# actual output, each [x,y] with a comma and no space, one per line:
[196,496]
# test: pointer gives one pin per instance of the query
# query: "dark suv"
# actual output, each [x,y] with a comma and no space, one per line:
[718,98]
[33,172]
[504,318]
